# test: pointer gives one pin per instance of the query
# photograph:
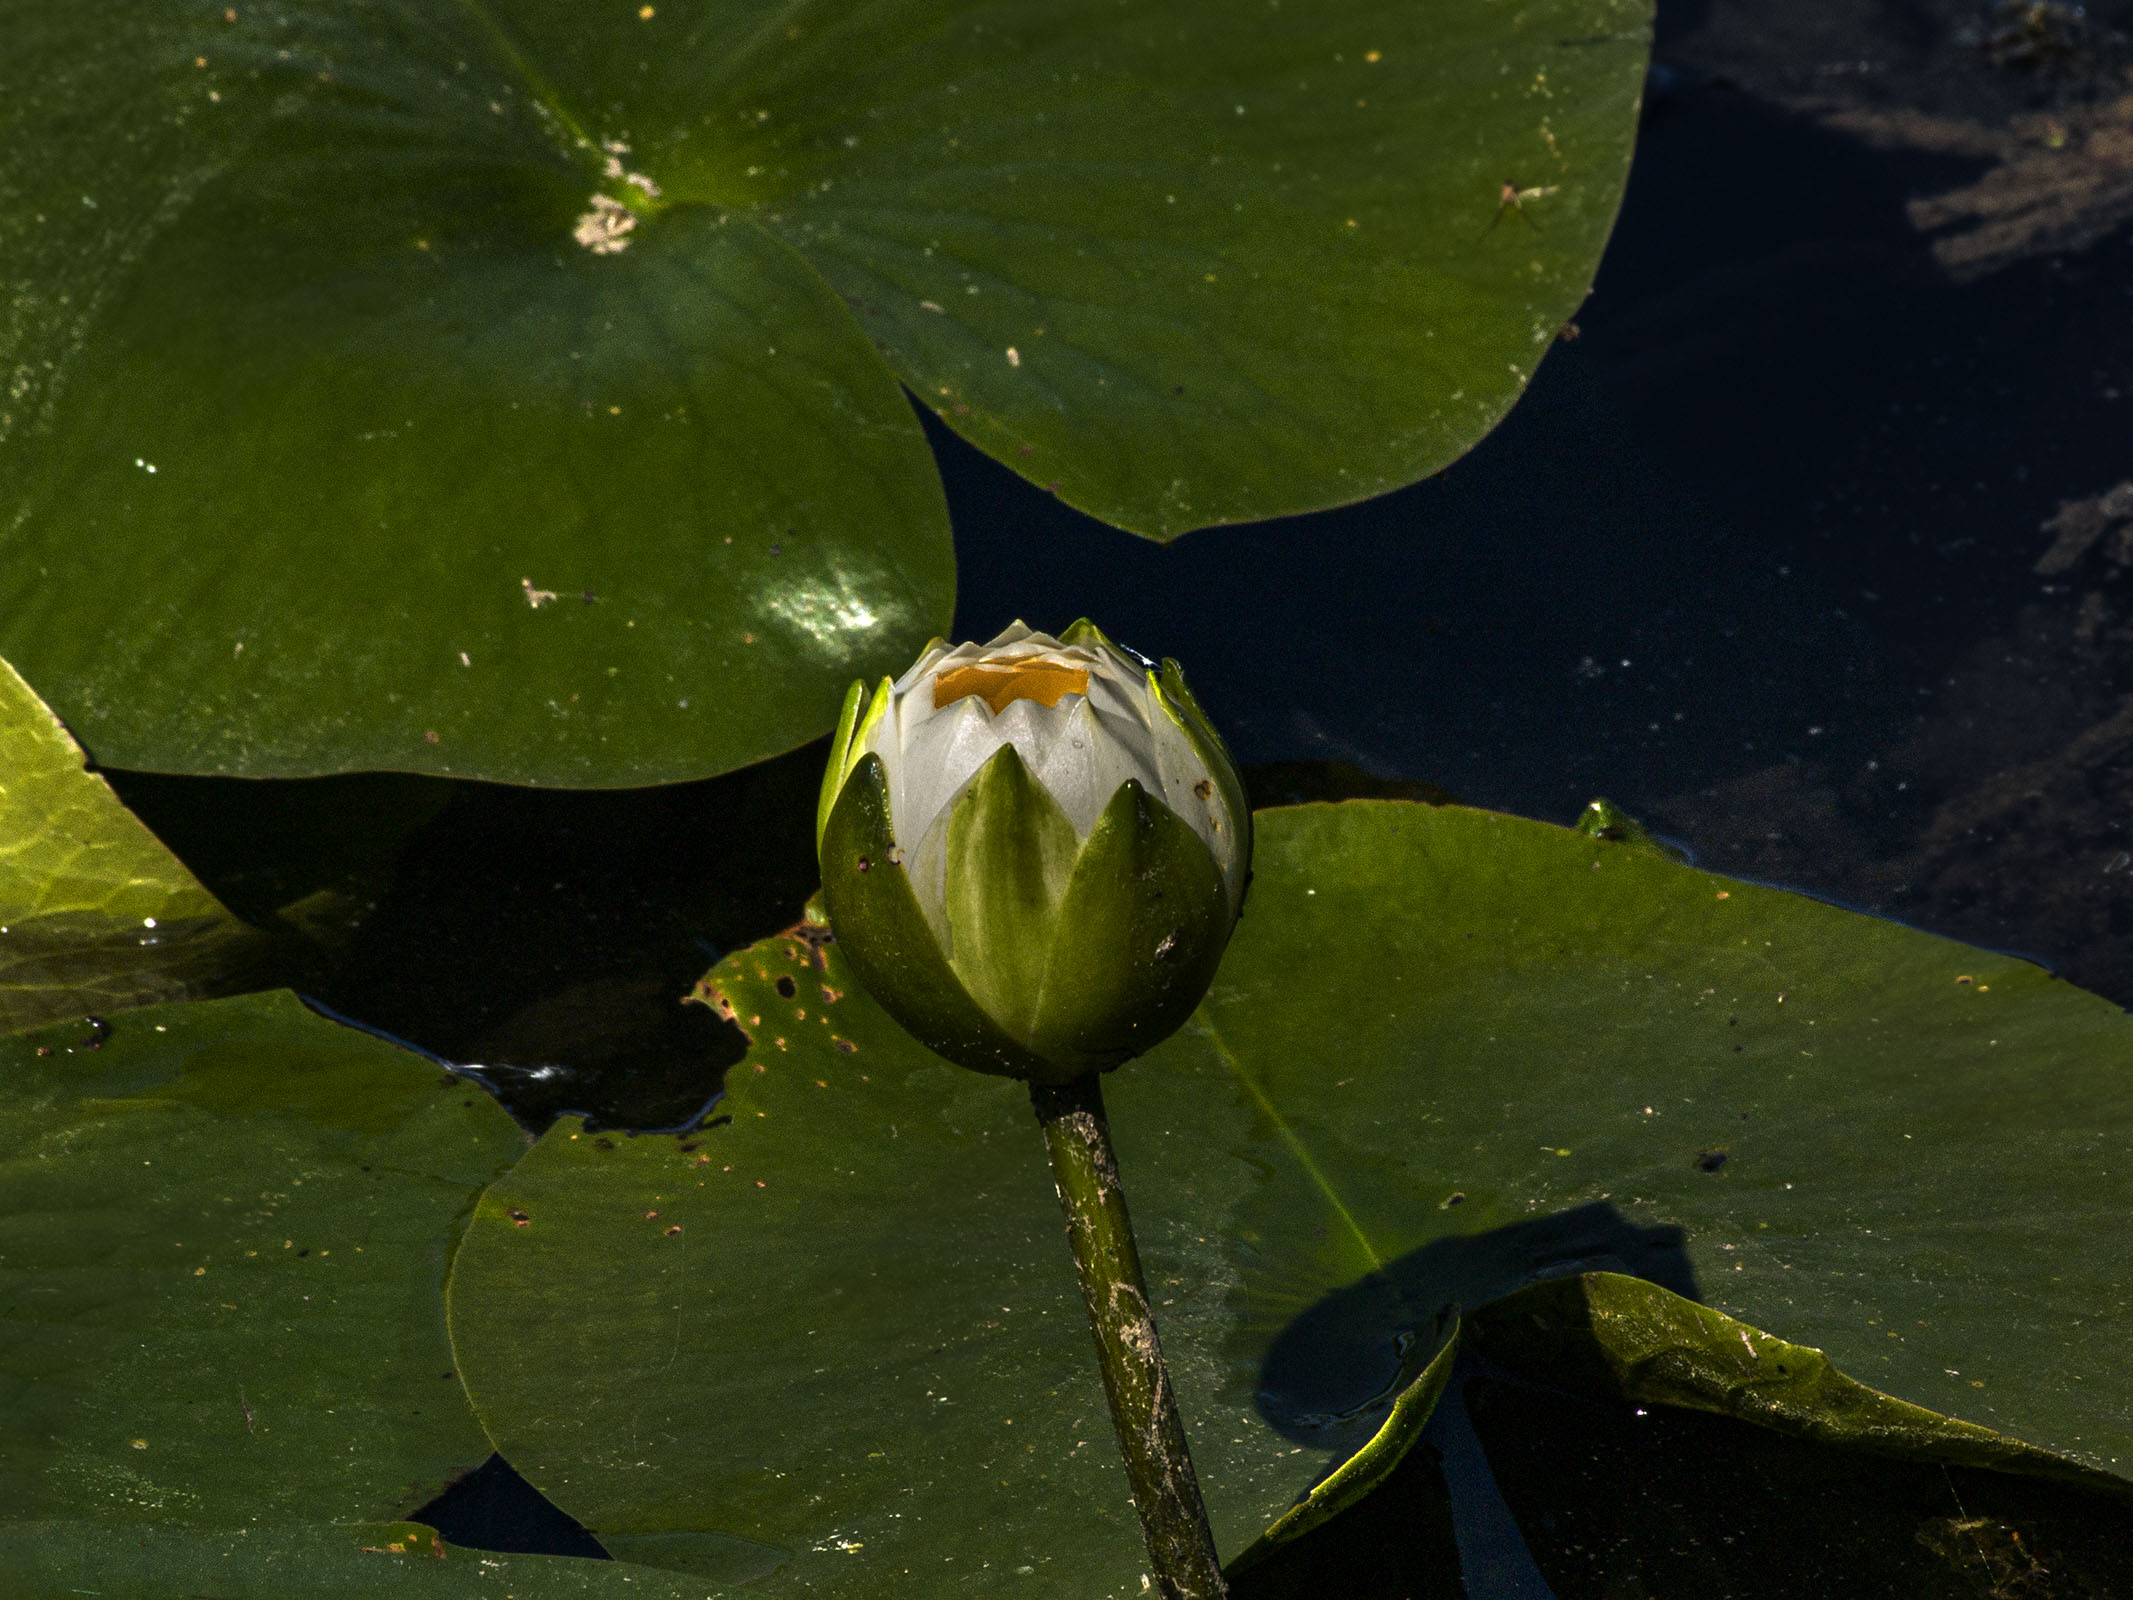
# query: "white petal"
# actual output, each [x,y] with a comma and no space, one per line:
[1015,633]
[928,867]
[1080,749]
[910,707]
[1123,698]
[1084,765]
[940,757]
[924,668]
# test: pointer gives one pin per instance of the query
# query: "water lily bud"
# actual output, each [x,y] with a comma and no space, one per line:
[1033,851]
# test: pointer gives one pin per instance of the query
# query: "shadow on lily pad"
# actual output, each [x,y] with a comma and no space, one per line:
[1332,1374]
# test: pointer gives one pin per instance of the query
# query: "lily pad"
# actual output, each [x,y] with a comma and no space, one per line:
[301,305]
[223,1236]
[1599,1403]
[95,915]
[1186,264]
[1448,1054]
[526,378]
[60,1560]
[1608,1413]
[1621,1337]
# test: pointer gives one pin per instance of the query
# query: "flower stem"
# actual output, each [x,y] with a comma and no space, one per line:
[1144,1410]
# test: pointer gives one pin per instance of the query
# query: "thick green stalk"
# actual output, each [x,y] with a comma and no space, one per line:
[1143,1408]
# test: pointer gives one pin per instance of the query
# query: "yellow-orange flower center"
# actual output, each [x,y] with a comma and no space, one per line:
[1001,683]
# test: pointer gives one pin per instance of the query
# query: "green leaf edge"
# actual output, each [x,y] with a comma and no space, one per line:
[1625,1337]
[203,950]
[1353,1480]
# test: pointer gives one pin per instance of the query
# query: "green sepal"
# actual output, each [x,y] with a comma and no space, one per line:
[833,773]
[875,914]
[853,731]
[1011,851]
[1170,692]
[1136,940]
[1085,632]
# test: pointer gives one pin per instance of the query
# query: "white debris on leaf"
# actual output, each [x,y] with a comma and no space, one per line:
[605,229]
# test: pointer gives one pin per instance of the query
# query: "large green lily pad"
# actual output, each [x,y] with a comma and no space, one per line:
[510,389]
[1448,1053]
[95,915]
[59,1560]
[223,1236]
[335,449]
[1189,264]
